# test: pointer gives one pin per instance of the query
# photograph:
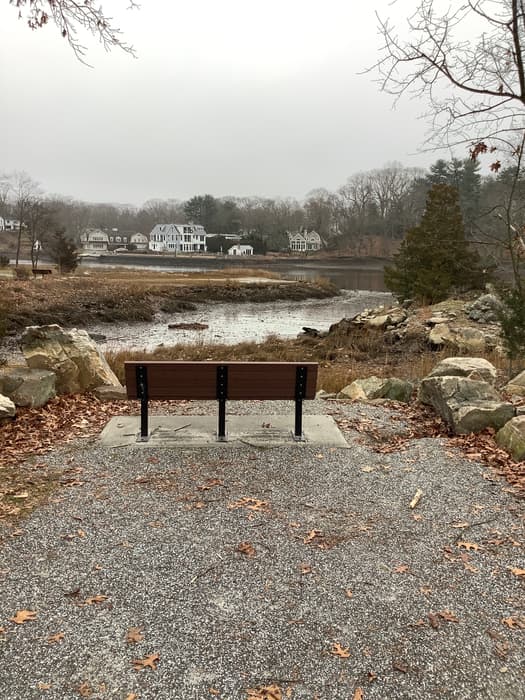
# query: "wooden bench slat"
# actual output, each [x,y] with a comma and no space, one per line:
[197,380]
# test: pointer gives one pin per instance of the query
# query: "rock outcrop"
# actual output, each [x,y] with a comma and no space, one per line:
[485,309]
[516,385]
[7,407]
[372,388]
[27,387]
[512,437]
[470,367]
[466,405]
[71,355]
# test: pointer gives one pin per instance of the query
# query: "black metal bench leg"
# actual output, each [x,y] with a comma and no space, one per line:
[298,434]
[221,428]
[142,385]
[222,395]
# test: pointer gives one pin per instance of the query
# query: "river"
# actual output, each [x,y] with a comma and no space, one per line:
[233,323]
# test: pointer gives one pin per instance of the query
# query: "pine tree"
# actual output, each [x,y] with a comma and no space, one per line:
[434,258]
[63,251]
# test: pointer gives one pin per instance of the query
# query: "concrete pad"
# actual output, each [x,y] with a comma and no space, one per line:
[196,431]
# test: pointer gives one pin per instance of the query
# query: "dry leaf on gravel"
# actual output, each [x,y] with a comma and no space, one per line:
[469,546]
[132,696]
[85,690]
[517,572]
[358,694]
[311,536]
[349,593]
[400,666]
[43,686]
[515,623]
[433,618]
[249,503]
[340,651]
[267,692]
[147,662]
[305,569]
[246,548]
[402,569]
[54,638]
[134,635]
[23,616]
[95,599]
[448,616]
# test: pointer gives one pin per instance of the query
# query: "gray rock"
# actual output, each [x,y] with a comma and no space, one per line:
[471,367]
[110,393]
[512,437]
[516,385]
[27,387]
[466,405]
[372,388]
[7,407]
[484,309]
[469,339]
[71,355]
[440,334]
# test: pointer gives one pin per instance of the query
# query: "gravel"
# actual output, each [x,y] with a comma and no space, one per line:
[340,558]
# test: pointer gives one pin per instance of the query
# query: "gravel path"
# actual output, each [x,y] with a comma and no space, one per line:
[303,572]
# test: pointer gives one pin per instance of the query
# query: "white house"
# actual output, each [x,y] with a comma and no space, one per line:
[139,240]
[178,238]
[93,239]
[240,250]
[304,241]
[9,224]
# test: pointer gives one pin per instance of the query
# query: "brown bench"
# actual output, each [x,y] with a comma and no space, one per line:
[41,271]
[222,381]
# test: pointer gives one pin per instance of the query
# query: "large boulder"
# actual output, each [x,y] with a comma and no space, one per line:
[27,387]
[378,388]
[466,405]
[71,355]
[516,385]
[512,437]
[470,367]
[7,407]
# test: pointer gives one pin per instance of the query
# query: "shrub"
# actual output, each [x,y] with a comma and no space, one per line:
[4,260]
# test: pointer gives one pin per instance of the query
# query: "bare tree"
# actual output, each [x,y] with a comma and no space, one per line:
[468,60]
[23,190]
[72,16]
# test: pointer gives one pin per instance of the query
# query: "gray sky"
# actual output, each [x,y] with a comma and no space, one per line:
[241,97]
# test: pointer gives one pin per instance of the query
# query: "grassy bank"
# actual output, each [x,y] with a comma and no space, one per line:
[135,295]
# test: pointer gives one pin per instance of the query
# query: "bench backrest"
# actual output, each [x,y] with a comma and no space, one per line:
[245,380]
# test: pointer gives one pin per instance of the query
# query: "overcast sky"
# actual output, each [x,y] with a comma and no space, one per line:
[238,97]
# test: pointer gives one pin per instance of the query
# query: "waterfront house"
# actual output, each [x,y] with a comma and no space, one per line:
[304,241]
[94,240]
[178,238]
[140,241]
[240,250]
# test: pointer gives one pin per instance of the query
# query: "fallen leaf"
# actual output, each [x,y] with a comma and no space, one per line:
[132,696]
[469,546]
[85,690]
[358,694]
[213,691]
[514,622]
[95,599]
[43,686]
[517,572]
[305,569]
[147,662]
[448,616]
[246,548]
[434,620]
[267,692]
[54,638]
[312,535]
[461,524]
[250,503]
[338,650]
[23,616]
[349,593]
[134,635]
[425,590]
[402,569]
[371,676]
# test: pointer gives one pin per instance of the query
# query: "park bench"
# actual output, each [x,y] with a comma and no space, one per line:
[221,381]
[41,271]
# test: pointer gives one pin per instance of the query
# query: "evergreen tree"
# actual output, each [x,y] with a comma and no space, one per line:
[434,258]
[63,251]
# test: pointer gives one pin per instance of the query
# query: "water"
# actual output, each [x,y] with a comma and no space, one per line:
[233,323]
[345,274]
